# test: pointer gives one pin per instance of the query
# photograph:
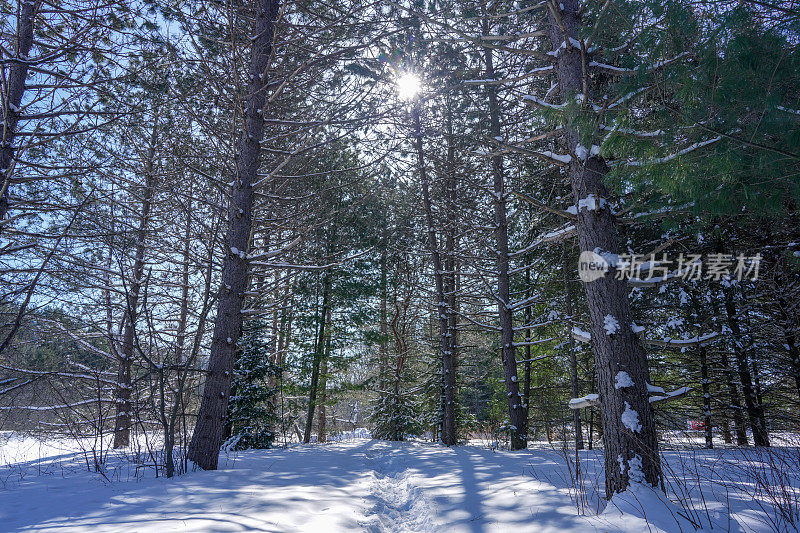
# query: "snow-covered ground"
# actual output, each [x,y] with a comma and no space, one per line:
[361,485]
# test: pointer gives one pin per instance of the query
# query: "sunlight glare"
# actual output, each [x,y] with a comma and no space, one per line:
[408,85]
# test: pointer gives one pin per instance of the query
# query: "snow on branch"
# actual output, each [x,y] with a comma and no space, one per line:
[490,81]
[62,374]
[683,343]
[621,71]
[621,100]
[529,98]
[665,62]
[274,253]
[291,266]
[677,393]
[788,110]
[590,203]
[662,212]
[633,133]
[75,338]
[523,303]
[556,235]
[533,343]
[590,400]
[670,157]
[586,337]
[569,44]
[561,159]
[15,387]
[669,276]
[545,155]
[581,336]
[56,407]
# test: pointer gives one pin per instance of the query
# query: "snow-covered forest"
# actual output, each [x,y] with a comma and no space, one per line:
[400,265]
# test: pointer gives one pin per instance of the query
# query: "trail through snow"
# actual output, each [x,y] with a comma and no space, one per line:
[362,485]
[398,502]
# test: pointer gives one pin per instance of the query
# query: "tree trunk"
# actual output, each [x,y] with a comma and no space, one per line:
[180,341]
[754,411]
[706,396]
[735,406]
[124,407]
[573,356]
[383,347]
[548,425]
[208,433]
[516,412]
[725,427]
[704,375]
[591,416]
[526,380]
[451,276]
[12,100]
[759,397]
[323,384]
[734,409]
[178,409]
[630,443]
[281,344]
[319,353]
[286,336]
[449,433]
[753,363]
[789,333]
[322,417]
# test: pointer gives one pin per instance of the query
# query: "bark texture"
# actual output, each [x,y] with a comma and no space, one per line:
[704,375]
[629,435]
[122,395]
[573,357]
[322,417]
[449,432]
[209,430]
[516,412]
[319,354]
[706,397]
[755,412]
[14,87]
[451,280]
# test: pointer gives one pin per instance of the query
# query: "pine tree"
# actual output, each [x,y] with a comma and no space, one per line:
[208,433]
[252,416]
[396,416]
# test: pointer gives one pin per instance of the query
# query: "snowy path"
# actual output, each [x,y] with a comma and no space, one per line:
[364,485]
[397,502]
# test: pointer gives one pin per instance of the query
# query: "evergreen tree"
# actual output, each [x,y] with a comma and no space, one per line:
[252,413]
